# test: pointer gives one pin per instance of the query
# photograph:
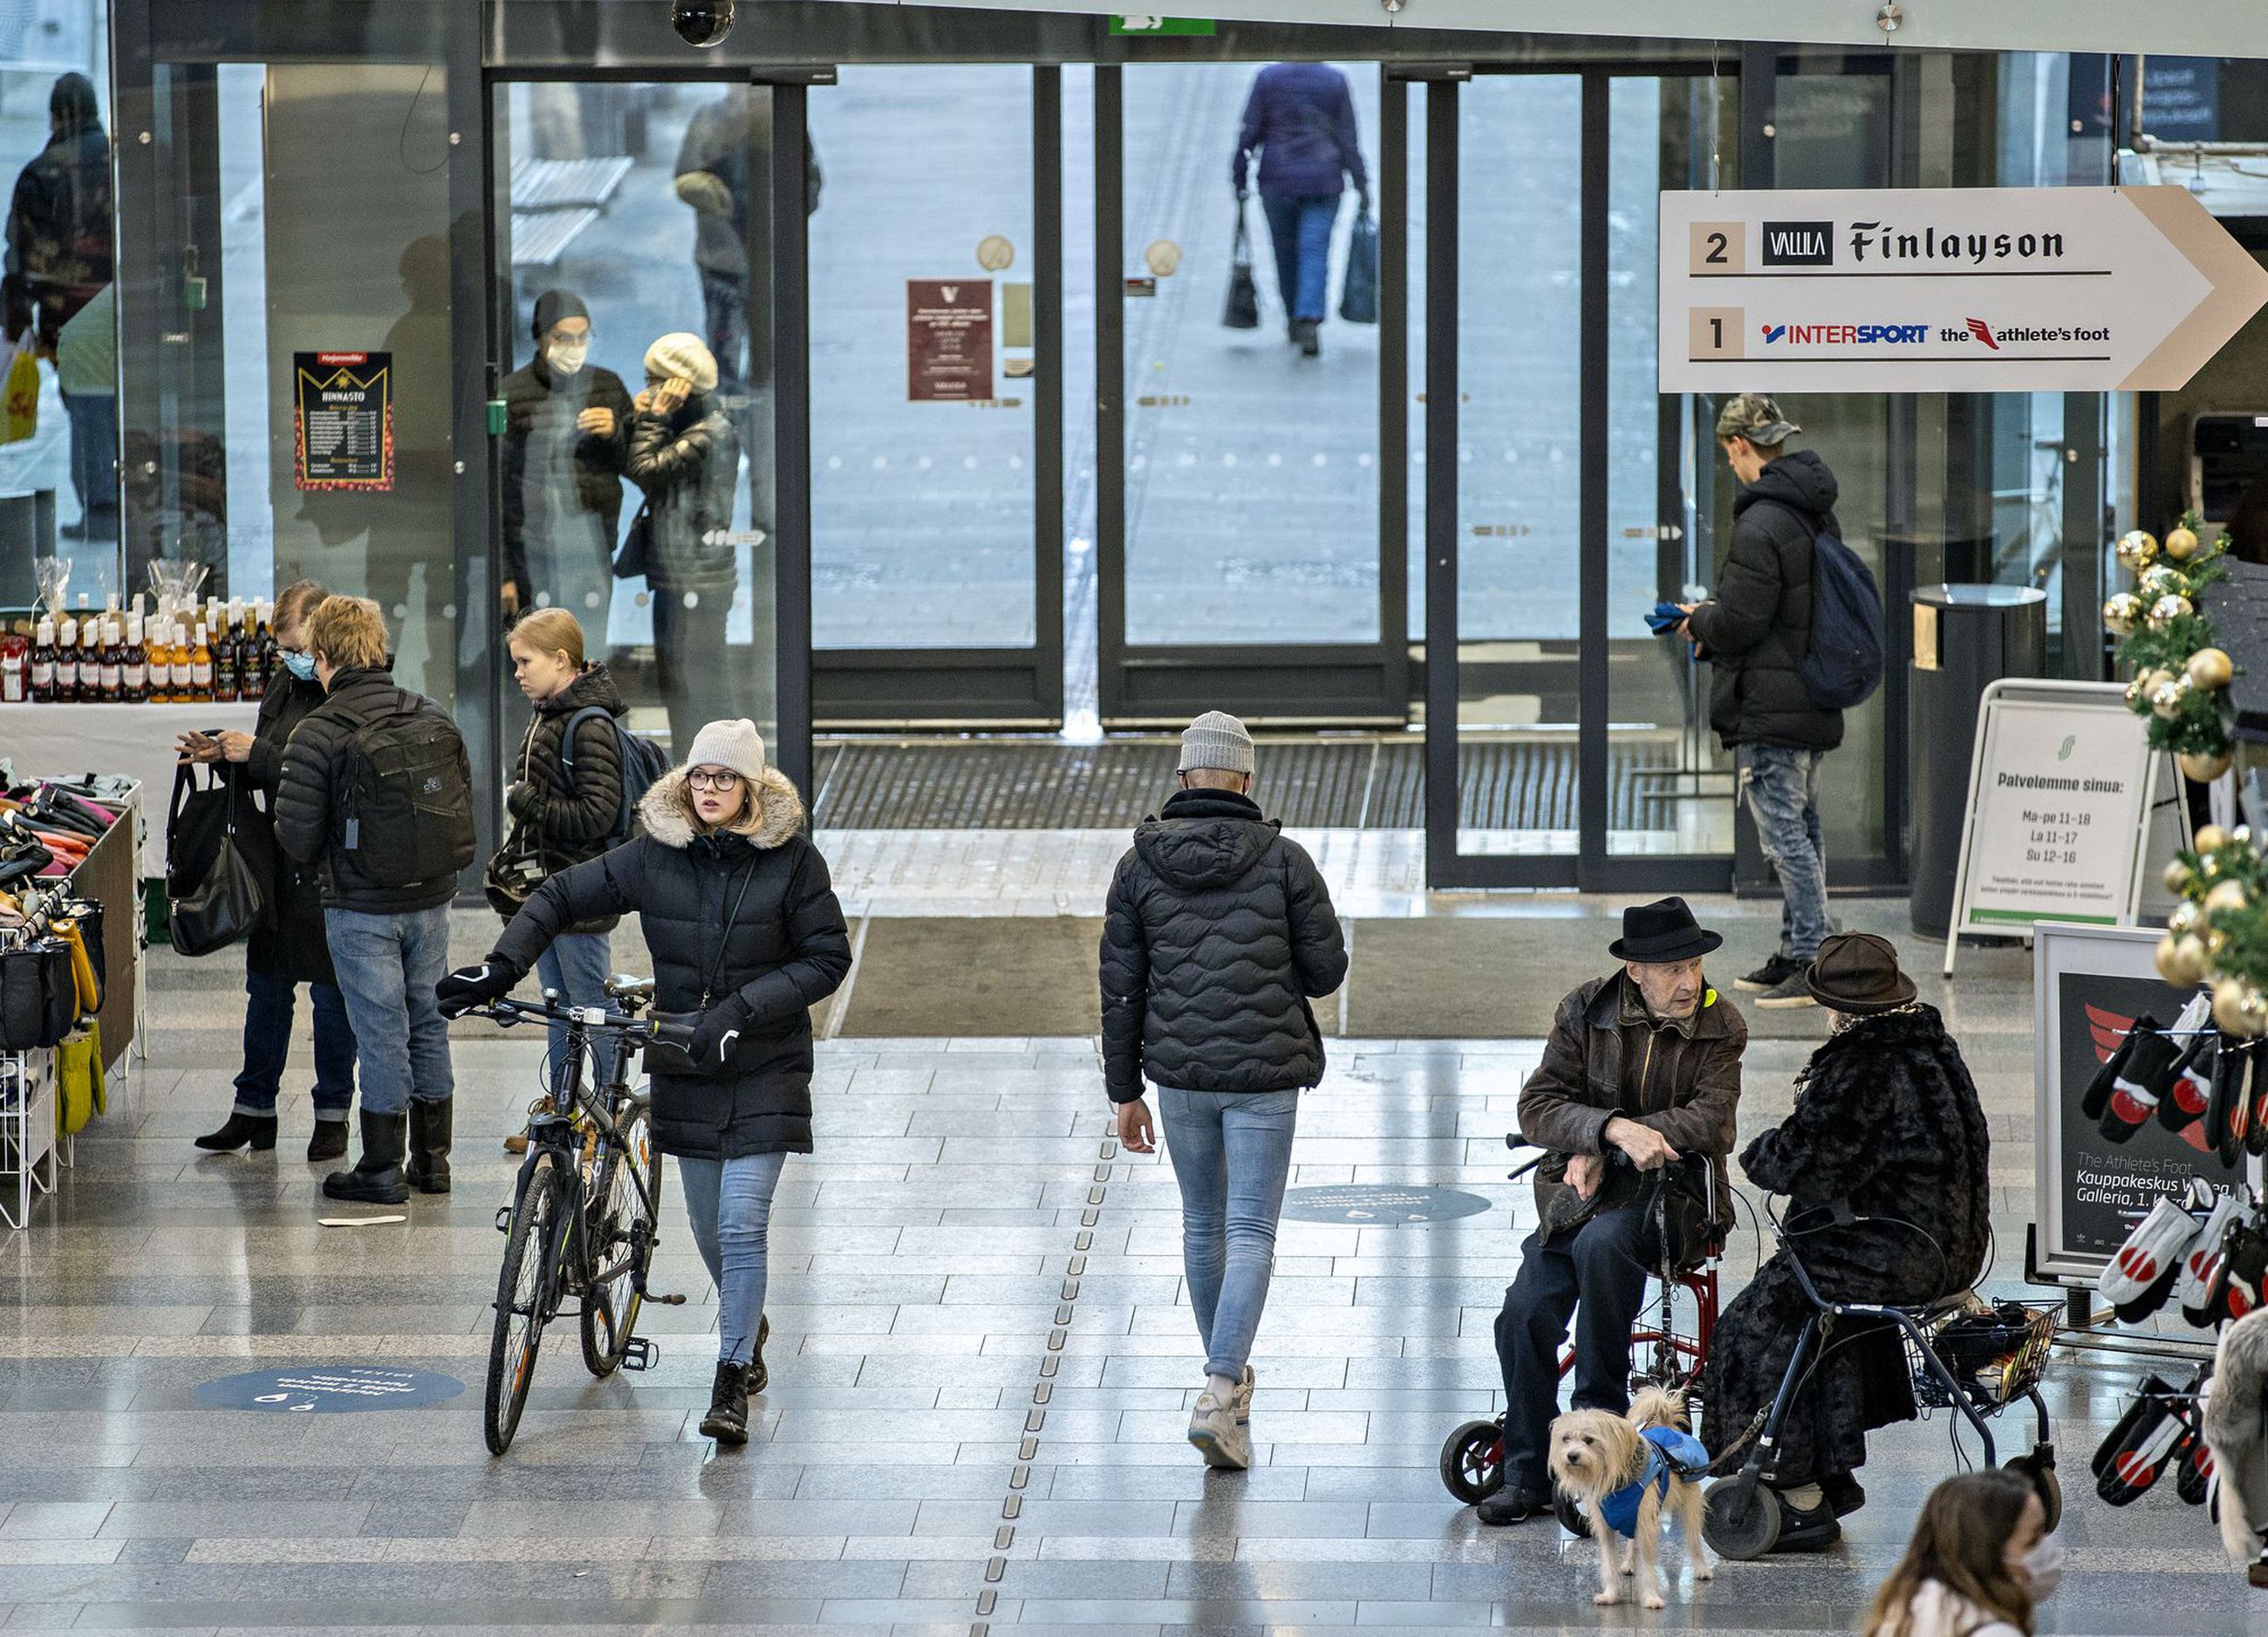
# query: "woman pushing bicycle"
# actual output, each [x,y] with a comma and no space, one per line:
[746,937]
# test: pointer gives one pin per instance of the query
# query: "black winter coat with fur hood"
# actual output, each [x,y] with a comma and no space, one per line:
[746,922]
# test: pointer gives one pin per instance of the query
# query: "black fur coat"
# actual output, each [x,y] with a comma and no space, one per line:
[1886,1119]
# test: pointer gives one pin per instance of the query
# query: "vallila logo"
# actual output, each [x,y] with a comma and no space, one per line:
[1798,244]
[1844,334]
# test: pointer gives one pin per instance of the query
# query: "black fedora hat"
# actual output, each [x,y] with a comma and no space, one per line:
[1661,931]
[1857,972]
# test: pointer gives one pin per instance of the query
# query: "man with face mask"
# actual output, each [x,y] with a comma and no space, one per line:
[566,430]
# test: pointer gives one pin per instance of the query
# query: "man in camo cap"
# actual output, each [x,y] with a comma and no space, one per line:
[1756,632]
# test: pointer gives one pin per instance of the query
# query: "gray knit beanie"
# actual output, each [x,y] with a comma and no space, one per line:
[735,745]
[1217,740]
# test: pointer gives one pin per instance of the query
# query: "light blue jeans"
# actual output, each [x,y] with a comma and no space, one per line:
[1300,226]
[1232,1153]
[388,965]
[1781,786]
[575,963]
[731,1204]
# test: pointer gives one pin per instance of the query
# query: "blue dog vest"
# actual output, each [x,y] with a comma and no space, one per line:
[1668,1452]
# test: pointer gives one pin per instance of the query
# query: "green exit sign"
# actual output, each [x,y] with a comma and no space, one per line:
[1140,23]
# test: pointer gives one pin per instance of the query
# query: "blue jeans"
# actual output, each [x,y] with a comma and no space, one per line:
[388,965]
[1232,1152]
[731,1204]
[575,963]
[1300,225]
[94,459]
[1782,788]
[1595,1275]
[268,1009]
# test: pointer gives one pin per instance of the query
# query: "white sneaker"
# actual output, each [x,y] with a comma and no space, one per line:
[1220,1437]
[1241,1401]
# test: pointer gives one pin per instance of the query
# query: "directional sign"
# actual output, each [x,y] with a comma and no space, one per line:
[2070,290]
[1383,1205]
[328,1390]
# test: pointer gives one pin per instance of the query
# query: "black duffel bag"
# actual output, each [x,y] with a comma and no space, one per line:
[220,863]
[38,997]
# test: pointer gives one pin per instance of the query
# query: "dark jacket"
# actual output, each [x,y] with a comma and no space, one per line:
[292,946]
[1300,118]
[308,824]
[565,822]
[723,140]
[1885,1120]
[1756,630]
[1606,1056]
[1218,932]
[746,922]
[59,233]
[686,464]
[541,409]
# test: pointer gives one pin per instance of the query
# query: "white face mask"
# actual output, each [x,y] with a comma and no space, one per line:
[567,356]
[2043,1565]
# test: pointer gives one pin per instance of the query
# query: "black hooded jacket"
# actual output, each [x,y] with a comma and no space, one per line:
[292,944]
[565,819]
[1756,630]
[1218,933]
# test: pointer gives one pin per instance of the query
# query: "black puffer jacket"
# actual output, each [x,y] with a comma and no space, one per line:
[1756,630]
[565,820]
[291,945]
[686,465]
[748,922]
[308,824]
[1218,933]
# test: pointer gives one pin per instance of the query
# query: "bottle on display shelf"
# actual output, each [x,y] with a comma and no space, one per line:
[89,660]
[43,662]
[161,663]
[224,667]
[134,664]
[201,669]
[114,663]
[15,669]
[271,659]
[67,662]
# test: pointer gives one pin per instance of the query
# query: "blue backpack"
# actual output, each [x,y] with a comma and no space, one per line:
[1845,665]
[642,759]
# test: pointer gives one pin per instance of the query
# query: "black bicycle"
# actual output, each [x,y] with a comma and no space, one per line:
[582,1221]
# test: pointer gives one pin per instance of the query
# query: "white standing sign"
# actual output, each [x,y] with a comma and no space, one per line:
[2063,788]
[1933,290]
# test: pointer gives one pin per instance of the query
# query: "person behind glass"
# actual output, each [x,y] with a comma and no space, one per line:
[566,428]
[389,943]
[1980,1562]
[87,373]
[563,801]
[685,456]
[723,142]
[289,948]
[59,221]
[1642,1065]
[1218,932]
[741,921]
[1299,118]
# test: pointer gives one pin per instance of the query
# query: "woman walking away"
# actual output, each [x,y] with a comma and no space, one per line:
[746,936]
[289,948]
[1980,1562]
[565,802]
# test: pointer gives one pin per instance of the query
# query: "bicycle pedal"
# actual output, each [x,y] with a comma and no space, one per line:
[638,1353]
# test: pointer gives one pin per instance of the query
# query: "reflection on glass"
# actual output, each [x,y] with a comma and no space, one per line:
[1251,502]
[893,437]
[1518,480]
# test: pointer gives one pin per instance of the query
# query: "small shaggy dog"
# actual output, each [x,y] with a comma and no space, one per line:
[1626,1472]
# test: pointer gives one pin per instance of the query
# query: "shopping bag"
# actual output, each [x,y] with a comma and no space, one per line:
[1359,293]
[220,863]
[1242,311]
[19,398]
[80,1094]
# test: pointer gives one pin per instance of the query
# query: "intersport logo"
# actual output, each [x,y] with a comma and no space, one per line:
[1844,334]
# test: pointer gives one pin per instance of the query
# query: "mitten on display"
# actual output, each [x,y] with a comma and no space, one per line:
[2148,1080]
[2190,1092]
[2201,1264]
[2097,1098]
[2151,1256]
[2245,1267]
[2227,1113]
[2146,1439]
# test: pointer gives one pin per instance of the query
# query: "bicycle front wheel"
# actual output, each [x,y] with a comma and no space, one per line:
[620,1212]
[525,1293]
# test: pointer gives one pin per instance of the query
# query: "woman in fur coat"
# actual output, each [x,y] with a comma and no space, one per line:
[1887,1121]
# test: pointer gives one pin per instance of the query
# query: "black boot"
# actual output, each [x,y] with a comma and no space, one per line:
[727,1420]
[376,1178]
[427,1169]
[329,1140]
[1308,334]
[241,1131]
[759,1378]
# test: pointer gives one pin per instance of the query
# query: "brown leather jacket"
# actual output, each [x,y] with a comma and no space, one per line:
[1606,1056]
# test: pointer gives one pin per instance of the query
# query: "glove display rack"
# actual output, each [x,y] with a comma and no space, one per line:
[72,1005]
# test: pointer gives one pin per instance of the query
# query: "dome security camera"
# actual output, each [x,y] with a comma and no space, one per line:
[702,23]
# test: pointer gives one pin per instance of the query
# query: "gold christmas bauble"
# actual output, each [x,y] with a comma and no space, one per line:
[2122,614]
[2211,838]
[2165,581]
[2226,895]
[2215,941]
[2238,1007]
[2181,961]
[2167,698]
[2184,918]
[2202,768]
[2167,609]
[2178,880]
[2136,550]
[2181,543]
[2210,668]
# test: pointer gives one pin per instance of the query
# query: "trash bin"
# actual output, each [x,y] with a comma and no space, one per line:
[1964,638]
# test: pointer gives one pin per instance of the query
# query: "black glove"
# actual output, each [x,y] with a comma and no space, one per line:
[714,1036]
[468,987]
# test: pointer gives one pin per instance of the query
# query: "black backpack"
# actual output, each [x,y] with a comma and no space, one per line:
[406,813]
[1845,665]
[642,762]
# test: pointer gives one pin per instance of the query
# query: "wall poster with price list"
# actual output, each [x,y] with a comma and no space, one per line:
[343,416]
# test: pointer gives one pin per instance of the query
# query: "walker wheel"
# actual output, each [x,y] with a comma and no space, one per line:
[1472,1462]
[2044,1481]
[1742,1518]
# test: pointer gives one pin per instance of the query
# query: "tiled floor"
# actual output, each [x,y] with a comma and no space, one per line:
[982,1366]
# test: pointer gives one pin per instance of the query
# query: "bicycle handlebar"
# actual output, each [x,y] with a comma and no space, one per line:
[646,1031]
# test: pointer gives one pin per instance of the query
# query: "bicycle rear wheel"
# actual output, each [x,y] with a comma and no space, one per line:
[621,1214]
[527,1292]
